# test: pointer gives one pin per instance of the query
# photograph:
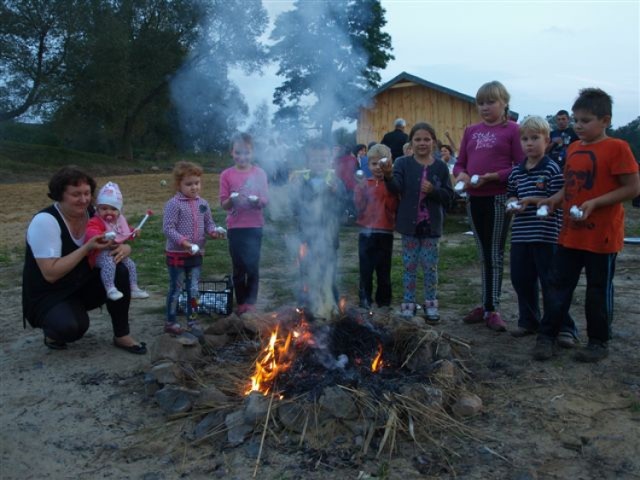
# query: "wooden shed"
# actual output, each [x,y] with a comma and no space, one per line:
[416,100]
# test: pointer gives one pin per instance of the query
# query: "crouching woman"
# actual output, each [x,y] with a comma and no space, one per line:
[58,285]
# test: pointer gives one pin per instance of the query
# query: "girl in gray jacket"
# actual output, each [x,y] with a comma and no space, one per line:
[424,185]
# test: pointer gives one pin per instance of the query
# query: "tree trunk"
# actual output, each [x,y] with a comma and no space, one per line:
[325,130]
[126,142]
[126,145]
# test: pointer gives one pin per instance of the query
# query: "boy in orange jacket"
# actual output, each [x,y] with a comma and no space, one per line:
[376,208]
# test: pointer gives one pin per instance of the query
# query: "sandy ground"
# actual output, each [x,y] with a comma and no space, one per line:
[83,413]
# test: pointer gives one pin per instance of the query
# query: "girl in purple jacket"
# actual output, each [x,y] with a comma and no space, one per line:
[187,221]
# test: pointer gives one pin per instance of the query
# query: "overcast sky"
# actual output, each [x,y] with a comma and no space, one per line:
[542,51]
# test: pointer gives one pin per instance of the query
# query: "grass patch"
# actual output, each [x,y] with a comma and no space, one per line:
[279,270]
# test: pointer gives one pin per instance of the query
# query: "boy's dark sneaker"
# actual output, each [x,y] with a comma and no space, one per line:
[566,340]
[365,305]
[543,349]
[522,332]
[593,352]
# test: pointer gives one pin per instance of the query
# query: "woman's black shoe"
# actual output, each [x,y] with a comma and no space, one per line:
[135,349]
[54,344]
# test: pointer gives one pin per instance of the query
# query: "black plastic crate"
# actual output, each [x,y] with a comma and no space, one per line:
[216,296]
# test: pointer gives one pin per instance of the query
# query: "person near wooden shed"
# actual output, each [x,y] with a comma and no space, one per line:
[396,139]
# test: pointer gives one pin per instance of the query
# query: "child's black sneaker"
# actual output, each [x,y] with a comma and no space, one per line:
[593,352]
[543,349]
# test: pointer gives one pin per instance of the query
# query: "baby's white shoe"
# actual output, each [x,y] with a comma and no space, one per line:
[114,294]
[137,292]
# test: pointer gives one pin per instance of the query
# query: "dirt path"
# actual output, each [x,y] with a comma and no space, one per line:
[83,413]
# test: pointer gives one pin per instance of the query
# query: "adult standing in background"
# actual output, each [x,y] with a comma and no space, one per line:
[396,139]
[561,138]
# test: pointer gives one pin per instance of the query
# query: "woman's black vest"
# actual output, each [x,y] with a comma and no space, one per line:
[38,295]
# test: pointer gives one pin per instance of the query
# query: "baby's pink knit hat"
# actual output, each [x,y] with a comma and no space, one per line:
[110,195]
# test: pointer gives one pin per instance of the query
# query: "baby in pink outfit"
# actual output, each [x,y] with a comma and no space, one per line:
[110,222]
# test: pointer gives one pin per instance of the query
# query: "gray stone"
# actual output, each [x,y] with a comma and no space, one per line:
[231,324]
[211,396]
[445,372]
[467,405]
[421,360]
[338,403]
[175,400]
[151,386]
[166,373]
[167,348]
[187,339]
[211,422]
[443,351]
[425,394]
[215,341]
[256,406]
[237,429]
[259,323]
[292,416]
[252,449]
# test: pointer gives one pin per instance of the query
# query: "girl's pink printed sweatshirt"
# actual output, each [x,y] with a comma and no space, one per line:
[186,219]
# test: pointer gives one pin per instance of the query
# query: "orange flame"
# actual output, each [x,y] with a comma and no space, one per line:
[376,364]
[342,305]
[277,357]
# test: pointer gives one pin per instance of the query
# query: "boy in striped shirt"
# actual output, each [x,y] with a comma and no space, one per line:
[534,236]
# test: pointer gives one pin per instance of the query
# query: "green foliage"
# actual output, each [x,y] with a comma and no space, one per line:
[342,136]
[631,134]
[103,69]
[26,162]
[28,133]
[331,52]
[121,67]
[34,40]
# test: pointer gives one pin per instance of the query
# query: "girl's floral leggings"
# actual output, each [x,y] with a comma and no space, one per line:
[419,251]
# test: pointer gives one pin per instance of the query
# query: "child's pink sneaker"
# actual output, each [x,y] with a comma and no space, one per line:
[494,322]
[173,328]
[474,316]
[242,308]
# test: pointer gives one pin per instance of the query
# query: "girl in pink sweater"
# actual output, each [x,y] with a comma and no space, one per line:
[488,152]
[244,194]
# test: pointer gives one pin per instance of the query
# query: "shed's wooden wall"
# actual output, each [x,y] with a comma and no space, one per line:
[415,103]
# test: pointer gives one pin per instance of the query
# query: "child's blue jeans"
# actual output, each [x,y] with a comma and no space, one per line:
[178,278]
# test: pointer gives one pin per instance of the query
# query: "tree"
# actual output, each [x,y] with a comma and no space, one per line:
[631,134]
[34,39]
[330,54]
[209,106]
[132,50]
